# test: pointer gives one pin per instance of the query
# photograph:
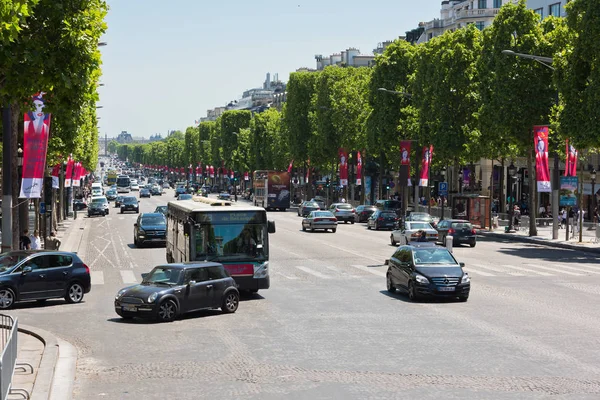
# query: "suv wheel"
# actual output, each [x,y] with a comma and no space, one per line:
[7,298]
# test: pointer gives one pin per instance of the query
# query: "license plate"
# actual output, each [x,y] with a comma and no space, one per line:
[129,308]
[447,289]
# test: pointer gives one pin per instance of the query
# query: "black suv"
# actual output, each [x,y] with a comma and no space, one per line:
[150,228]
[40,275]
[173,289]
[130,203]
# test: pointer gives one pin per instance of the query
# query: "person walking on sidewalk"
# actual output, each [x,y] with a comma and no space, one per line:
[52,242]
[24,241]
[36,242]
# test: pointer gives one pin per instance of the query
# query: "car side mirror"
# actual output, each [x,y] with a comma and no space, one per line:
[26,270]
[135,224]
[462,264]
[190,283]
[271,226]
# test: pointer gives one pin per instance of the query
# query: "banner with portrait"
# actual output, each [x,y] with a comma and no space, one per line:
[425,164]
[36,130]
[405,160]
[571,163]
[246,176]
[358,169]
[55,173]
[343,154]
[77,174]
[542,168]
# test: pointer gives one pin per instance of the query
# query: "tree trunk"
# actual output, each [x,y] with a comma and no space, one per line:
[532,192]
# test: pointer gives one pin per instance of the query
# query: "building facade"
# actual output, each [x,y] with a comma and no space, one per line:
[546,8]
[350,57]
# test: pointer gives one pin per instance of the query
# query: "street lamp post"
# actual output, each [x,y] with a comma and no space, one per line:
[442,197]
[512,172]
[593,179]
[546,61]
[460,183]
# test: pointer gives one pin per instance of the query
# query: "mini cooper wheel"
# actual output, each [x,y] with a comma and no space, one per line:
[231,302]
[7,298]
[167,311]
[74,293]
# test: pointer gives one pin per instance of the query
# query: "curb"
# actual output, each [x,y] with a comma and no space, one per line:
[55,365]
[543,242]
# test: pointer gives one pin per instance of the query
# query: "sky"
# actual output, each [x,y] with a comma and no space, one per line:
[167,62]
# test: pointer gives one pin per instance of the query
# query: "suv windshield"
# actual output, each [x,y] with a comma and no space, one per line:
[153,220]
[164,275]
[436,256]
[98,202]
[129,200]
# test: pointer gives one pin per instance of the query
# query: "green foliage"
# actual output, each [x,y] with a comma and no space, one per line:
[13,14]
[297,108]
[268,147]
[191,148]
[112,146]
[231,124]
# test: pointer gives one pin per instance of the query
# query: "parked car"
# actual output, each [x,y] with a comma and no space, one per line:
[343,212]
[79,205]
[412,232]
[144,193]
[424,269]
[174,289]
[119,200]
[40,275]
[461,231]
[130,203]
[98,206]
[363,212]
[421,216]
[382,220]
[320,220]
[306,207]
[150,228]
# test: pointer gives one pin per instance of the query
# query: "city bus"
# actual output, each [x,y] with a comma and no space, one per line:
[271,189]
[123,184]
[206,229]
[111,178]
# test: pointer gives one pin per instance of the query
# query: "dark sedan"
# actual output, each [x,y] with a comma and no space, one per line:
[79,205]
[119,200]
[156,191]
[40,275]
[382,220]
[363,212]
[130,203]
[427,270]
[150,228]
[111,194]
[307,207]
[174,289]
[461,231]
[161,209]
[144,193]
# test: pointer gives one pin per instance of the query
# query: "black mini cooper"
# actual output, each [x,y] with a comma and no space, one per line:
[174,289]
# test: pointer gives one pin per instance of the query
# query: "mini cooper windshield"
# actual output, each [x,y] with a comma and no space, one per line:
[163,275]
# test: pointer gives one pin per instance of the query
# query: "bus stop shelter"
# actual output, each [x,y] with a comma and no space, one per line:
[474,208]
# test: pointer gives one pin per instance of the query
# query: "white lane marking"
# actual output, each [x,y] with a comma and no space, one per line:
[128,276]
[121,218]
[97,277]
[470,270]
[370,270]
[581,269]
[560,271]
[292,278]
[313,272]
[341,271]
[527,270]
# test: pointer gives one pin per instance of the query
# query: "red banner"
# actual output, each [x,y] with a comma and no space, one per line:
[211,170]
[77,174]
[425,164]
[405,157]
[246,176]
[343,167]
[231,174]
[290,167]
[542,169]
[358,168]
[55,173]
[571,164]
[69,172]
[35,144]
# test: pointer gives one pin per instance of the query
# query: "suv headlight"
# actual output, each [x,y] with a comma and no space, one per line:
[120,293]
[421,279]
[152,297]
[466,278]
[262,270]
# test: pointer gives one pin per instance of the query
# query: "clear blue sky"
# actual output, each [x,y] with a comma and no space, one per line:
[167,62]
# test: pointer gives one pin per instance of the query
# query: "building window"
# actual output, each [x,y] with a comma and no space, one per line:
[540,12]
[480,25]
[497,3]
[481,4]
[554,9]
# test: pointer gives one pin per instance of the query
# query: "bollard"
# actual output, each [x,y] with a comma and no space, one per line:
[74,213]
[449,243]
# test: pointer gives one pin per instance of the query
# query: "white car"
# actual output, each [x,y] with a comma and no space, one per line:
[412,232]
[135,187]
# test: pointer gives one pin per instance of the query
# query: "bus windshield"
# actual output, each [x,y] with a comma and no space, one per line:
[123,181]
[229,242]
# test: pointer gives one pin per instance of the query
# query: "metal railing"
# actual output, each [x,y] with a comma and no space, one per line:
[8,360]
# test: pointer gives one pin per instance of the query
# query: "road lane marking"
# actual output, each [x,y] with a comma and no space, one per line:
[470,270]
[128,276]
[313,272]
[527,270]
[97,277]
[560,271]
[581,269]
[292,278]
[341,271]
[370,270]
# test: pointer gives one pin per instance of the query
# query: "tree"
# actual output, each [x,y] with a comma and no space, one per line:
[112,146]
[268,147]
[13,14]
[191,148]
[204,143]
[231,122]
[516,94]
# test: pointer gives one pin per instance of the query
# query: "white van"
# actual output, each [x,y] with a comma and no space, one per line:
[97,189]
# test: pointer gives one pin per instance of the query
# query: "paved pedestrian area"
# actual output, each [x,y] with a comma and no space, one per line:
[30,350]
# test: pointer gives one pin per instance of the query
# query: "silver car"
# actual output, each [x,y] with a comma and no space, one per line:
[320,220]
[411,232]
[343,212]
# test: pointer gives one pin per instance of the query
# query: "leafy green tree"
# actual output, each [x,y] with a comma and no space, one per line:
[112,146]
[204,141]
[231,124]
[13,14]
[268,147]
[191,145]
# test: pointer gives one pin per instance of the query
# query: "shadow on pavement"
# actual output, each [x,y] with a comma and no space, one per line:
[27,304]
[401,296]
[534,252]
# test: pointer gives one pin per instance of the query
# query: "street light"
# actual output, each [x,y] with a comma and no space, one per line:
[512,172]
[546,61]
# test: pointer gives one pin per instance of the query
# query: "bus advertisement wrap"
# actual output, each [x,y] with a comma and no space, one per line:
[279,190]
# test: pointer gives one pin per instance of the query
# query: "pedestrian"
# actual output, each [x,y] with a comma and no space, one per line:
[542,211]
[422,236]
[36,242]
[563,220]
[24,241]
[235,196]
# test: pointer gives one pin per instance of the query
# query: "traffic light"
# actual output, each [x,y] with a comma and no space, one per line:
[387,186]
[327,182]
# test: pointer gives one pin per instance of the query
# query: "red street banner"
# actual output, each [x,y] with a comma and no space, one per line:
[211,171]
[55,173]
[425,164]
[246,177]
[35,144]
[571,167]
[405,157]
[69,172]
[290,167]
[343,167]
[77,174]
[358,168]
[231,174]
[542,169]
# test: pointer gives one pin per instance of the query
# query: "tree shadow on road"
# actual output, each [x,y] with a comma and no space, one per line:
[543,253]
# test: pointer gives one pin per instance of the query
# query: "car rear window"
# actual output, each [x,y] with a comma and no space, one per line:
[129,200]
[344,206]
[323,214]
[311,204]
[418,225]
[462,225]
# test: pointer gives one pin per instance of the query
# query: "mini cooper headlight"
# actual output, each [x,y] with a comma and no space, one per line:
[152,297]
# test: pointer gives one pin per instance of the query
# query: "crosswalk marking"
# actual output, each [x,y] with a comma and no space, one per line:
[528,270]
[128,276]
[97,277]
[584,268]
[313,272]
[470,270]
[340,271]
[370,270]
[560,271]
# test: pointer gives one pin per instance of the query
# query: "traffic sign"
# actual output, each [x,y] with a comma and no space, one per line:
[443,189]
[42,208]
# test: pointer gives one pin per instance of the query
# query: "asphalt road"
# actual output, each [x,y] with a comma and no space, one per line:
[327,329]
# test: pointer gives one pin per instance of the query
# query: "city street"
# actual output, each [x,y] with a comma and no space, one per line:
[327,328]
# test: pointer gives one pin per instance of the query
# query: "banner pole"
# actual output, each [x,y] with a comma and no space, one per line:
[7,238]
